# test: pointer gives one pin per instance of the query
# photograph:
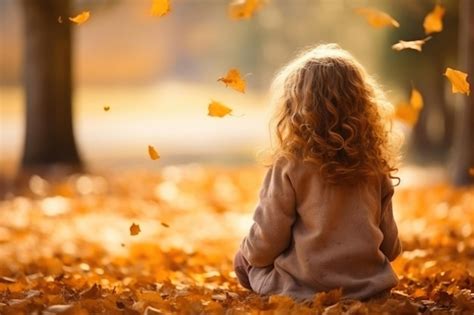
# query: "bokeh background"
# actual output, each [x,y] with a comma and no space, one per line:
[159,74]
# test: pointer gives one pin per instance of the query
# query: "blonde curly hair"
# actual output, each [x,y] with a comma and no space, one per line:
[332,113]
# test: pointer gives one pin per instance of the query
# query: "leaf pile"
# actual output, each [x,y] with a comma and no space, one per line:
[66,247]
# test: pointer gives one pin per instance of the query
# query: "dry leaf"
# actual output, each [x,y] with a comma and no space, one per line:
[377,18]
[408,112]
[166,225]
[106,108]
[217,109]
[134,229]
[413,44]
[81,18]
[433,22]
[234,80]
[153,153]
[244,9]
[328,298]
[60,19]
[458,81]
[160,7]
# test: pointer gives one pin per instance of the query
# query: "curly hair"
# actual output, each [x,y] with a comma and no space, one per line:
[332,113]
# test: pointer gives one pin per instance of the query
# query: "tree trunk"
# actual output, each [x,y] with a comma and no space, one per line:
[48,85]
[463,150]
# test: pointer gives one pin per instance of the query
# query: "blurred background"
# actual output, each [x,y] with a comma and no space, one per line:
[158,74]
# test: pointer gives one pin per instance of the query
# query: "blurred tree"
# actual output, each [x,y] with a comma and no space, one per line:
[48,85]
[463,149]
[433,133]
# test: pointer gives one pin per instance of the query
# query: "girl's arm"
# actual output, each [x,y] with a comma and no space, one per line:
[391,244]
[274,216]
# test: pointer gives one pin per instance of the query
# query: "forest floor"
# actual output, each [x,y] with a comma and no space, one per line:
[66,247]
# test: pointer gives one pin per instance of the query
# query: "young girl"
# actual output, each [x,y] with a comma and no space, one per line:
[324,220]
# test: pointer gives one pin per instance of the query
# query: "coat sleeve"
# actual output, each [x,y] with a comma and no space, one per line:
[390,246]
[274,216]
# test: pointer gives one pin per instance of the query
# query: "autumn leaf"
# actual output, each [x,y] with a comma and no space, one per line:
[408,112]
[458,81]
[377,18]
[234,80]
[134,229]
[166,225]
[244,9]
[160,7]
[81,18]
[106,108]
[217,109]
[433,22]
[153,153]
[414,44]
[60,19]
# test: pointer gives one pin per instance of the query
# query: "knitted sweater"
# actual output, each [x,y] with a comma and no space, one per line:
[309,236]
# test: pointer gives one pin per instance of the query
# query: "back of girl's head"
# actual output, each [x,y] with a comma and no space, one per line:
[332,113]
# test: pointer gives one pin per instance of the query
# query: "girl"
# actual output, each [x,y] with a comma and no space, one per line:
[324,220]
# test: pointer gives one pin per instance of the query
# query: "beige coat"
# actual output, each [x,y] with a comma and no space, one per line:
[310,237]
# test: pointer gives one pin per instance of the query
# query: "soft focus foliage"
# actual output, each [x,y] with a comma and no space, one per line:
[160,7]
[153,153]
[433,22]
[414,44]
[67,247]
[408,112]
[80,18]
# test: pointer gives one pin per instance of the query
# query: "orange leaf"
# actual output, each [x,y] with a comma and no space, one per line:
[153,153]
[160,7]
[433,22]
[81,18]
[106,108]
[244,9]
[234,80]
[134,229]
[408,112]
[414,44]
[377,18]
[217,109]
[458,81]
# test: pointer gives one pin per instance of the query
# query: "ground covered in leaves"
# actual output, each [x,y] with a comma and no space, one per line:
[66,247]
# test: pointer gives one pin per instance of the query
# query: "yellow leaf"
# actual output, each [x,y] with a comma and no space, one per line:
[377,18]
[106,108]
[433,22]
[153,153]
[244,9]
[409,112]
[234,80]
[134,229]
[217,109]
[81,18]
[416,100]
[458,81]
[414,44]
[160,7]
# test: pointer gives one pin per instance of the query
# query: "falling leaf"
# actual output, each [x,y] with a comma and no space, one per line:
[153,153]
[134,229]
[408,112]
[377,18]
[81,18]
[244,9]
[60,19]
[160,7]
[414,44]
[217,109]
[458,81]
[234,80]
[166,225]
[433,22]
[106,108]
